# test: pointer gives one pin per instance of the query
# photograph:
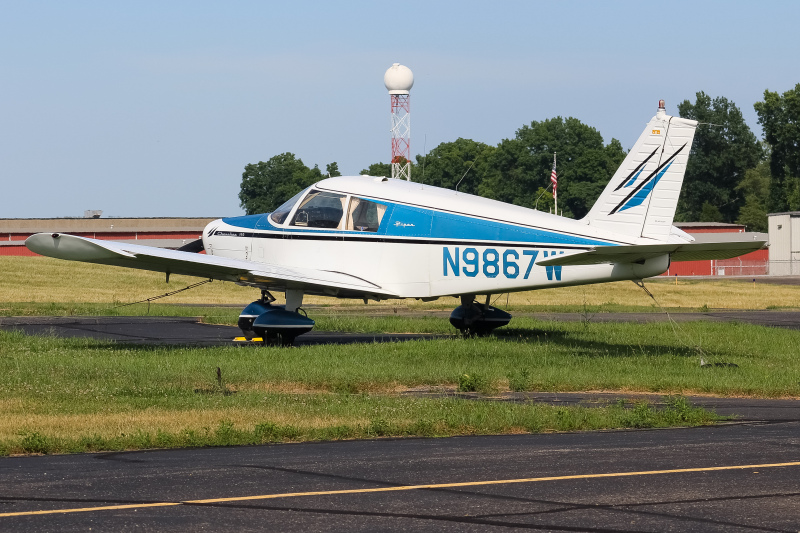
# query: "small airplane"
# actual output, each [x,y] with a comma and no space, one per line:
[375,238]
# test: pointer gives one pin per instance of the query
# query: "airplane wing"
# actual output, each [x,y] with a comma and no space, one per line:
[633,253]
[262,275]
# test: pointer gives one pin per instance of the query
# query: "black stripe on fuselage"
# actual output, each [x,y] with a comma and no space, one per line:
[390,240]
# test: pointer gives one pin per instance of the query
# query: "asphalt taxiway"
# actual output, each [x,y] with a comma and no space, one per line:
[741,477]
[171,331]
[191,331]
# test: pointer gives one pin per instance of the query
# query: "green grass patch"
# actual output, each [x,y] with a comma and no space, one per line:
[61,395]
[363,417]
[534,355]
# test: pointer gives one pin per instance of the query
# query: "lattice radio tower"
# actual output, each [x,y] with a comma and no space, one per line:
[398,80]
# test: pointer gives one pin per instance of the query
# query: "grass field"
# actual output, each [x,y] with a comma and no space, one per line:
[74,395]
[81,395]
[66,395]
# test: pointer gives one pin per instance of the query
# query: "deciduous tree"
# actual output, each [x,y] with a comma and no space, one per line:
[463,163]
[755,187]
[332,169]
[779,115]
[724,149]
[378,169]
[520,166]
[266,185]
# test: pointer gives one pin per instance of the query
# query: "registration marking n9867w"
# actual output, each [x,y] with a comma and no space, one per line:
[493,262]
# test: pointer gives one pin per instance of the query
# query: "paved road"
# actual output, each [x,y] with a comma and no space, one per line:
[743,477]
[181,331]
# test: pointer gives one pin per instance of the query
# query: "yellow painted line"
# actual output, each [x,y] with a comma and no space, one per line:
[493,482]
[88,509]
[402,488]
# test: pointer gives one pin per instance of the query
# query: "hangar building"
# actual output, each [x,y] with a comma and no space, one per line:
[160,232]
[752,264]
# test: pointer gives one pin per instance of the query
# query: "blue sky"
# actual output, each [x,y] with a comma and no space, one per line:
[154,108]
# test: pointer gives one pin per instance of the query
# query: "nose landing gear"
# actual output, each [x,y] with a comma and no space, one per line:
[275,324]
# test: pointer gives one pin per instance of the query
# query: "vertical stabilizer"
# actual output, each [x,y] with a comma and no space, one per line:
[641,198]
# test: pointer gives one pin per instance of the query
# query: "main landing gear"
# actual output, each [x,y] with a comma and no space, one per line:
[275,324]
[473,318]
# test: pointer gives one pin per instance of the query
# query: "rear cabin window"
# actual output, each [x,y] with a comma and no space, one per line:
[364,215]
[320,210]
[280,214]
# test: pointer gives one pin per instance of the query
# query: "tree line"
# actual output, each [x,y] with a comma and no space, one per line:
[732,176]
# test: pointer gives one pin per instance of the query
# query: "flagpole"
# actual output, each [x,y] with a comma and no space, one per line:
[555,187]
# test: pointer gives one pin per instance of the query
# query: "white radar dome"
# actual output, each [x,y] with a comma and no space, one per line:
[398,79]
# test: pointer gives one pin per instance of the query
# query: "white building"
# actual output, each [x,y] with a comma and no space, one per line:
[784,243]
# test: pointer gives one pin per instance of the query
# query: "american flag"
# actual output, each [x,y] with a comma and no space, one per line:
[554,178]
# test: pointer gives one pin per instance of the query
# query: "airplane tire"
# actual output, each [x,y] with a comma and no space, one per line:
[476,332]
[272,338]
[286,341]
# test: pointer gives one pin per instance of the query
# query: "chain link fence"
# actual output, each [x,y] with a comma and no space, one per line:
[738,267]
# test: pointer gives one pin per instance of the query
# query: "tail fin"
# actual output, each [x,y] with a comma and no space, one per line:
[641,198]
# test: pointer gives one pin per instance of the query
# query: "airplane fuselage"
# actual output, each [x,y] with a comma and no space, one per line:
[419,241]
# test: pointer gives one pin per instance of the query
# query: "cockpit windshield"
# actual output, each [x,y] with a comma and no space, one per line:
[320,210]
[279,215]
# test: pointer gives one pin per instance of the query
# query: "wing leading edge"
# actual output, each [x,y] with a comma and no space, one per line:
[263,275]
[635,253]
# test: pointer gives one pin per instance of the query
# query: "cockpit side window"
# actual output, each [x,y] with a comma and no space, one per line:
[280,214]
[320,210]
[364,215]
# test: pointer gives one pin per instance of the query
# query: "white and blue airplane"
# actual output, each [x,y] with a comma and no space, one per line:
[375,238]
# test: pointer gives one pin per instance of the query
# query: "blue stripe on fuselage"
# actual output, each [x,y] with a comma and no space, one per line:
[414,222]
[247,221]
[453,226]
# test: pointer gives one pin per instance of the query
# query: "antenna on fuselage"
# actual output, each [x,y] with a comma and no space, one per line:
[536,204]
[465,174]
[424,159]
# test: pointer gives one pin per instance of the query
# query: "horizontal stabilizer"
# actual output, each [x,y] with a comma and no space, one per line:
[264,275]
[636,253]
